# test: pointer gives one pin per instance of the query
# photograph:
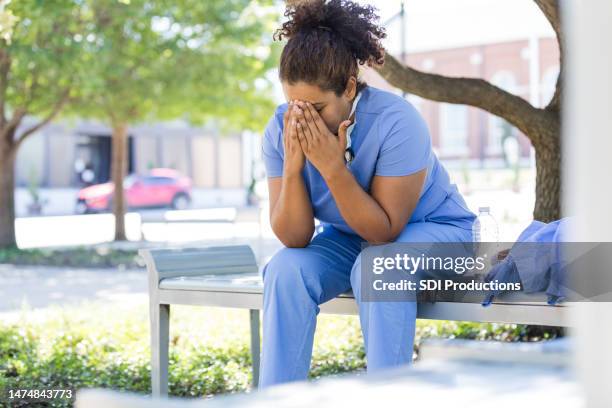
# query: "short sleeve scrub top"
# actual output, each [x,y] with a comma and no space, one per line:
[389,138]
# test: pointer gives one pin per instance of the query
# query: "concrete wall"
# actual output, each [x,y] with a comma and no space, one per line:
[210,159]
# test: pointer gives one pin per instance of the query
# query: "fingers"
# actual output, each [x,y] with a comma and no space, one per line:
[309,118]
[306,137]
[293,121]
[287,123]
[290,134]
[342,129]
[316,118]
[287,114]
[296,141]
[302,138]
[293,130]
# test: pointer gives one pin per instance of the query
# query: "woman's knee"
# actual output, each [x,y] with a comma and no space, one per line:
[365,271]
[287,270]
[364,259]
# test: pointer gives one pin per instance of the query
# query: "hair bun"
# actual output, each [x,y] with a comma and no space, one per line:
[355,24]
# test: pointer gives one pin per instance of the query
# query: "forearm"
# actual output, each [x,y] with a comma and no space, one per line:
[359,209]
[292,218]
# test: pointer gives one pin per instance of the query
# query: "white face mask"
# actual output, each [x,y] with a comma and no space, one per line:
[348,152]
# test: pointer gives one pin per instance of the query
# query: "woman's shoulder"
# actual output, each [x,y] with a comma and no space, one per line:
[392,110]
[281,109]
[275,124]
[381,100]
[279,112]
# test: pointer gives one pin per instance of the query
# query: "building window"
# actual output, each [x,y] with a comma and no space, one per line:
[428,64]
[453,129]
[499,129]
[549,83]
[415,101]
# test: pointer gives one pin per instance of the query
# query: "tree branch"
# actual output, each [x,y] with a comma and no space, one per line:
[467,91]
[550,9]
[9,129]
[56,109]
[5,66]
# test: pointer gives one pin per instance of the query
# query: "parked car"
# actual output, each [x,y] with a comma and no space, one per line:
[158,188]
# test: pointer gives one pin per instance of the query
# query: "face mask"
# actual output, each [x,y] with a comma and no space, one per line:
[349,155]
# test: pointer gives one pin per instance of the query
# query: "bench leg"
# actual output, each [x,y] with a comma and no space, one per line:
[160,333]
[255,345]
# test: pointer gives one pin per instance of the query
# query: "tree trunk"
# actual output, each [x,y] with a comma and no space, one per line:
[118,173]
[548,182]
[7,194]
[541,126]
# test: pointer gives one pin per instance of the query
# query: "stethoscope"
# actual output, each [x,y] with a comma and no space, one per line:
[349,154]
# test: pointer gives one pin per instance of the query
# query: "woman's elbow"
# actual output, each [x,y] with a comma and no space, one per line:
[382,237]
[295,242]
[293,239]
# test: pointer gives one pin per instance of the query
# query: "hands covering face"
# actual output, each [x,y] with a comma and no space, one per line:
[294,155]
[320,146]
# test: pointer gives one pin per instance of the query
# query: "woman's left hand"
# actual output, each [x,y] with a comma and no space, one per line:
[322,148]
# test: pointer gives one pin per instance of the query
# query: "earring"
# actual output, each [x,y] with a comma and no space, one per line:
[349,155]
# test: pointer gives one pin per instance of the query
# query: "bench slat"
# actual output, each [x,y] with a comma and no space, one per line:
[228,276]
[218,260]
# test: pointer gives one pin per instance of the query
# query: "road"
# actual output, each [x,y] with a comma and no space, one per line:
[39,287]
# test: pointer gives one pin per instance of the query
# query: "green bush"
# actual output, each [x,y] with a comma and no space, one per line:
[99,346]
[80,257]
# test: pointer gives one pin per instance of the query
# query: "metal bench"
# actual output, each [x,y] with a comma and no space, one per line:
[228,276]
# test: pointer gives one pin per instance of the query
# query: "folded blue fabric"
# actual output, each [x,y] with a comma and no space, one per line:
[538,268]
[504,272]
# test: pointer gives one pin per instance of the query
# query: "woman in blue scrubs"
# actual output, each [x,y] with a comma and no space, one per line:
[359,160]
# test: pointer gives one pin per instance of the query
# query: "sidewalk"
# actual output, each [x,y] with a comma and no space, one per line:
[39,287]
[61,201]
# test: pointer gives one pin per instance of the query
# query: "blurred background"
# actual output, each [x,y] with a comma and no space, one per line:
[215,151]
[169,99]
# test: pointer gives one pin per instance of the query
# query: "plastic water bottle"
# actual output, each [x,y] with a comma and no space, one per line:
[485,237]
[485,227]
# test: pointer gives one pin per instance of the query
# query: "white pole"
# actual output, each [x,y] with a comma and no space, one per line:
[534,70]
[534,82]
[587,145]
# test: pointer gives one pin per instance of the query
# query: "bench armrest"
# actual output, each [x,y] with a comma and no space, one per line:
[217,260]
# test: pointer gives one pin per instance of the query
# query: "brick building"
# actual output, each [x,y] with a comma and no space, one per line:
[462,134]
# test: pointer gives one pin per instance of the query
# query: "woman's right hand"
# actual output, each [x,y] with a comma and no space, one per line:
[294,155]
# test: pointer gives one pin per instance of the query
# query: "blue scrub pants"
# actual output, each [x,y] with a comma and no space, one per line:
[298,280]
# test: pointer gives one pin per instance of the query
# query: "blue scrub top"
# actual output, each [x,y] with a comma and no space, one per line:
[390,138]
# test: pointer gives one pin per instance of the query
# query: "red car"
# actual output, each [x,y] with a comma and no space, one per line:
[159,188]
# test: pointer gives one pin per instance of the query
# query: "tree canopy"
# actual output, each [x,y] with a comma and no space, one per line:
[167,59]
[127,61]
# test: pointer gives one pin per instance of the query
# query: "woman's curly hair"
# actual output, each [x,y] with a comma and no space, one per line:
[327,41]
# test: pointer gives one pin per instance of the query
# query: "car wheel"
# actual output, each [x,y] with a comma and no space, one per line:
[81,207]
[180,202]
